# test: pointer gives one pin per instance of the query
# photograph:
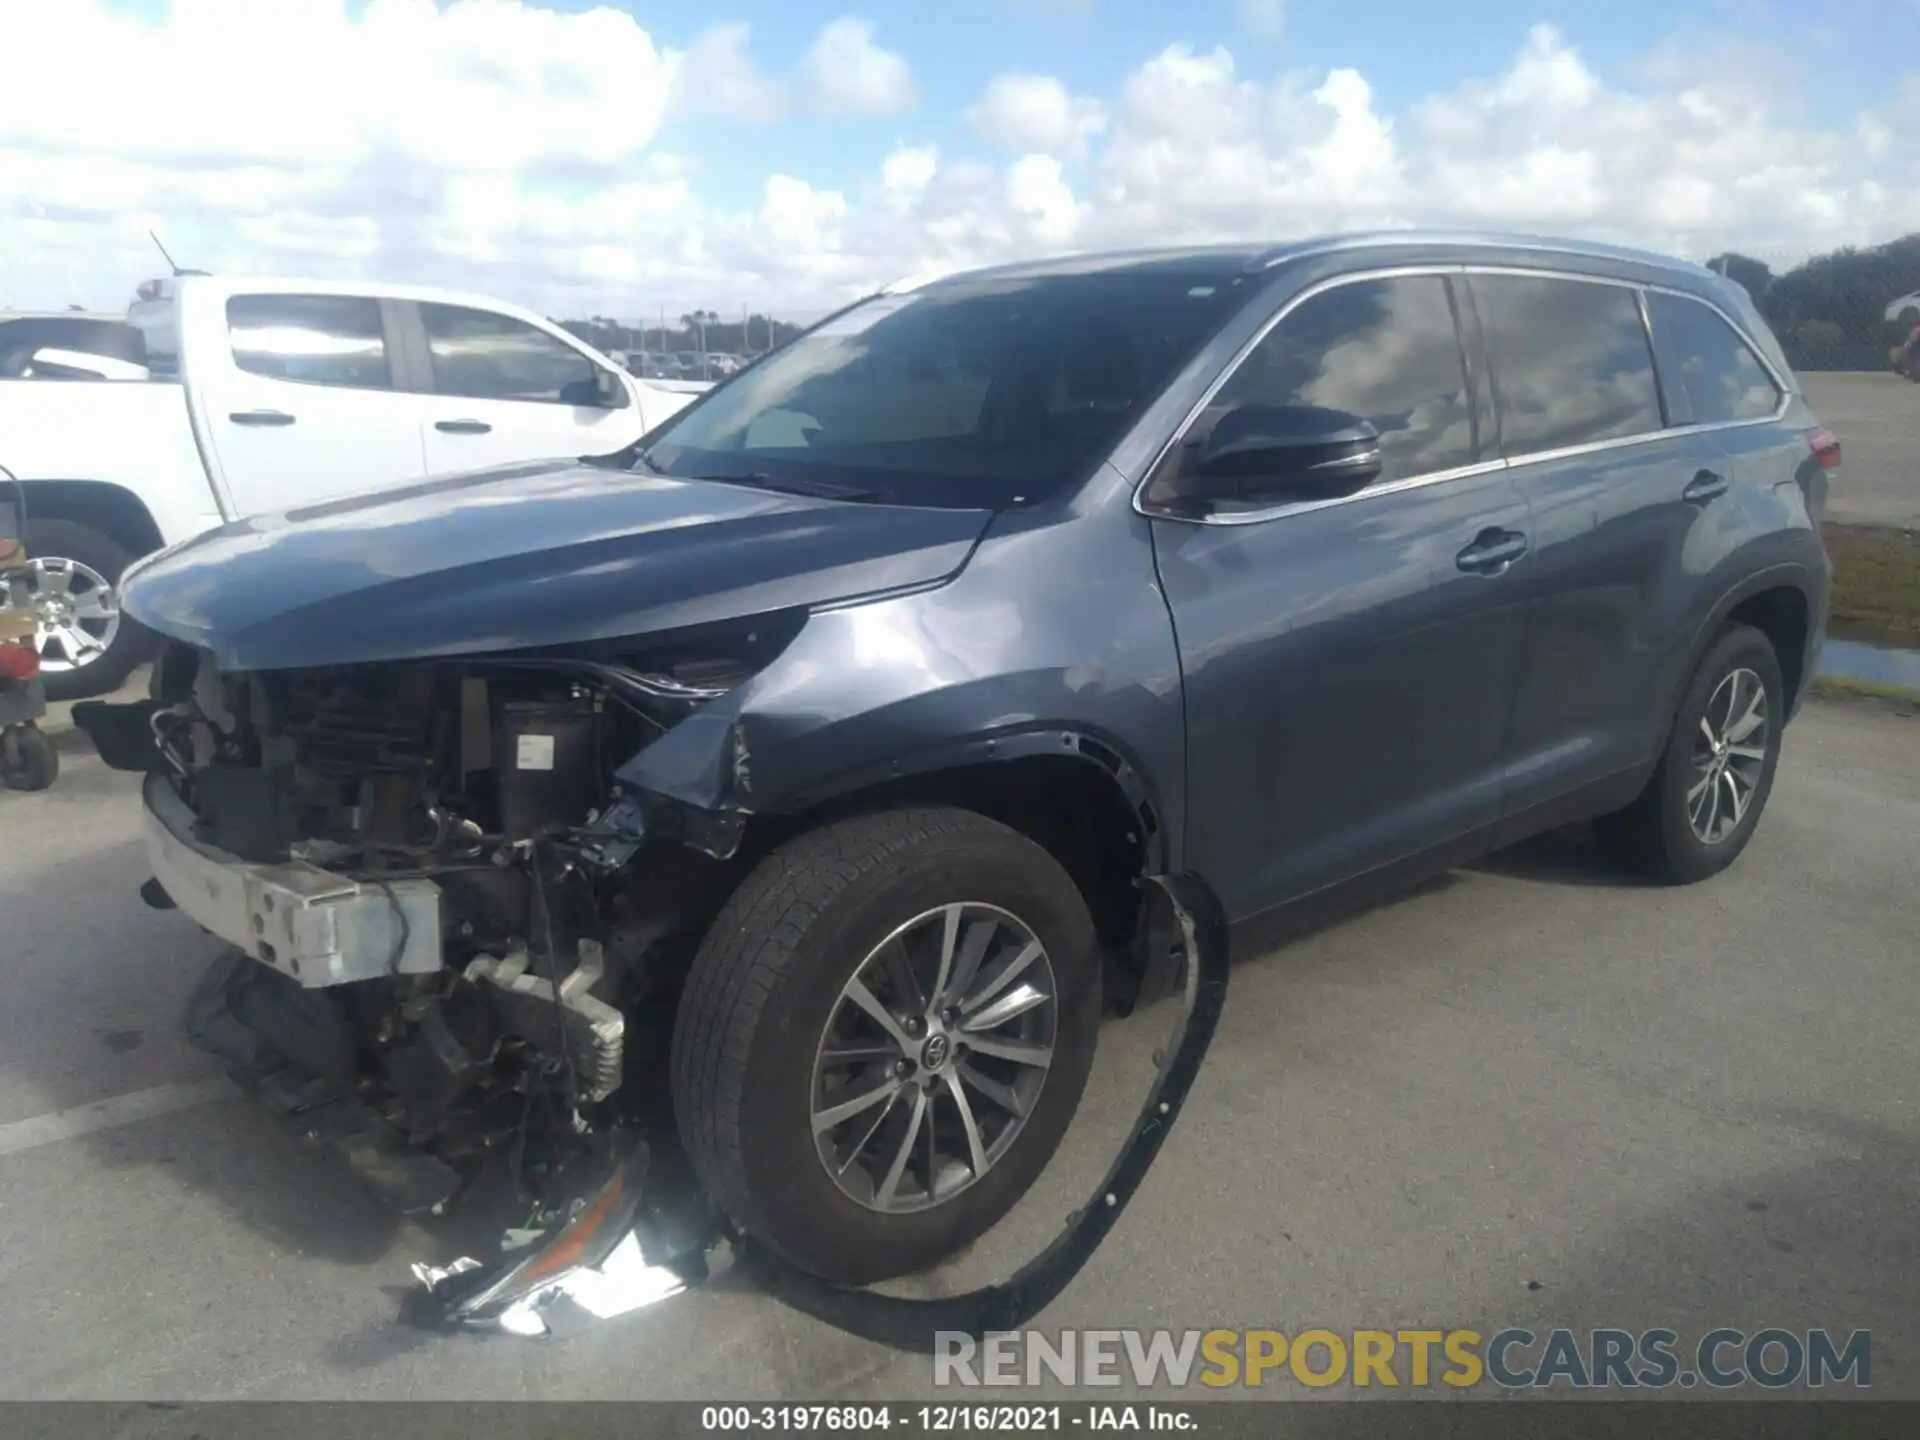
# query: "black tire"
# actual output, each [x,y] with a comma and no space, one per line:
[1654,836]
[106,557]
[28,760]
[763,989]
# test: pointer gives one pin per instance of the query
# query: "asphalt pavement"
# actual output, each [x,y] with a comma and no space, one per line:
[1877,417]
[1527,1094]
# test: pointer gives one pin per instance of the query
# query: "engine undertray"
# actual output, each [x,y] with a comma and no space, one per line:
[288,1048]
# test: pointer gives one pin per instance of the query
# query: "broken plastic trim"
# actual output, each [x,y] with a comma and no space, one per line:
[908,1324]
[510,1295]
[596,1261]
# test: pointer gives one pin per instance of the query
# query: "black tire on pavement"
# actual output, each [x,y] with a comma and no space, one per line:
[106,557]
[28,760]
[1655,835]
[764,988]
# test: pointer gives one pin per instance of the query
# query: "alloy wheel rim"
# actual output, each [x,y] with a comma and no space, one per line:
[76,613]
[1728,757]
[933,1057]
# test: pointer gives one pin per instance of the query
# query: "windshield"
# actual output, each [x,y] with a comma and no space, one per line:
[992,393]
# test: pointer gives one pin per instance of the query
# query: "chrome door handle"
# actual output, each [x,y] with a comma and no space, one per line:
[1492,552]
[1707,485]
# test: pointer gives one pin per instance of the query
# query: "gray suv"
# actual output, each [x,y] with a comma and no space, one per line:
[795,782]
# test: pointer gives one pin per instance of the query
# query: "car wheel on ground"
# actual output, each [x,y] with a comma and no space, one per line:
[87,647]
[883,1038]
[1701,805]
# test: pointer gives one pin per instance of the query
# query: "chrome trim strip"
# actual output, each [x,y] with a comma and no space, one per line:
[1274,512]
[1142,506]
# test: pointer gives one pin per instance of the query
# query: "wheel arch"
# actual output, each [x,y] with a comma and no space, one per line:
[1076,794]
[1782,602]
[102,505]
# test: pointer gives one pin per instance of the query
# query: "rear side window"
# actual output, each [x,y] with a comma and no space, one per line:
[313,339]
[1570,361]
[1385,350]
[1708,364]
[483,356]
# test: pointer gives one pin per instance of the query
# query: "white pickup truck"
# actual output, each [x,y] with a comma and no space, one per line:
[258,396]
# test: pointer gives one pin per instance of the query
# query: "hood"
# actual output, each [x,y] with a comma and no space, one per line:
[527,556]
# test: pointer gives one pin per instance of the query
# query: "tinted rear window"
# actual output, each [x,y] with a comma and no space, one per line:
[987,392]
[1708,363]
[1570,361]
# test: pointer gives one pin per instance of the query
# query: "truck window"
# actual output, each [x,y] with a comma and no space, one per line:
[312,339]
[1570,361]
[480,355]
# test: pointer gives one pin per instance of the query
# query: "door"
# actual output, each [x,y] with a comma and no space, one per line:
[1616,497]
[1350,664]
[505,391]
[299,403]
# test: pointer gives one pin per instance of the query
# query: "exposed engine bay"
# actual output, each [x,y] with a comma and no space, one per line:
[484,982]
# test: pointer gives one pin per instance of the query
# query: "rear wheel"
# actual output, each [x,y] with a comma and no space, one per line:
[884,1037]
[87,647]
[1700,808]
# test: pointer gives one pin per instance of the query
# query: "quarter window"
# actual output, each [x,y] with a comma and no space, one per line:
[1570,361]
[1385,350]
[480,355]
[314,339]
[1709,363]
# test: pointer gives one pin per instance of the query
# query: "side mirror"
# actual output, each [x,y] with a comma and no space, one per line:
[1284,452]
[604,391]
[610,392]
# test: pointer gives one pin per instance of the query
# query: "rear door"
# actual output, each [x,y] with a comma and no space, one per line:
[296,397]
[1349,665]
[1618,497]
[504,391]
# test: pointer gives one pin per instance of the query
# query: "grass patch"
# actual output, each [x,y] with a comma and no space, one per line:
[1876,580]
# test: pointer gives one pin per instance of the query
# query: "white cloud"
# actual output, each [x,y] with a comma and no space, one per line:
[1266,18]
[718,77]
[499,146]
[844,72]
[1036,113]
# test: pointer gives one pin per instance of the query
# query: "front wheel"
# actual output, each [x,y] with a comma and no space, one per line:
[884,1037]
[1700,808]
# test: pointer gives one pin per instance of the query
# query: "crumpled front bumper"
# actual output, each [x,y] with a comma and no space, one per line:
[313,926]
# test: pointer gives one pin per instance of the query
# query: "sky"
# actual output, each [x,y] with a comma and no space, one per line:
[630,158]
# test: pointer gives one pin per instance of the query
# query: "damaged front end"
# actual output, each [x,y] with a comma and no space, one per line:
[441,965]
[465,836]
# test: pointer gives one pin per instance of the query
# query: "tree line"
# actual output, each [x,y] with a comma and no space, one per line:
[752,334]
[1831,312]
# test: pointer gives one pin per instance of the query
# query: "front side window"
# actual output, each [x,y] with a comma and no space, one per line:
[312,339]
[991,392]
[479,355]
[1385,350]
[1570,361]
[1715,369]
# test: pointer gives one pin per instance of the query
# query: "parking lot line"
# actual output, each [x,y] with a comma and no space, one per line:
[116,1110]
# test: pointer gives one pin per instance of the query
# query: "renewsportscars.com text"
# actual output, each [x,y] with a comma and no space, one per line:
[1512,1358]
